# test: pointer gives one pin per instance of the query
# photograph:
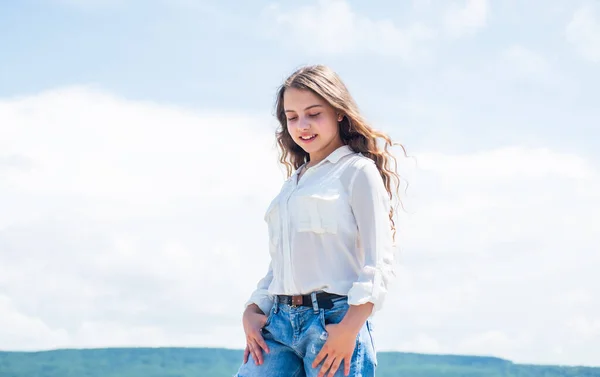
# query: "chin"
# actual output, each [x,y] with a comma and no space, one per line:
[311,148]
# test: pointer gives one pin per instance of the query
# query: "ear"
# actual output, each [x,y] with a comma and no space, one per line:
[340,117]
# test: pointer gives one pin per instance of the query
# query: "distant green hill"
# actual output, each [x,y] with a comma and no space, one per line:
[210,362]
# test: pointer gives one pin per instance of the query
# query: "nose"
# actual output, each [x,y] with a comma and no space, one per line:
[303,123]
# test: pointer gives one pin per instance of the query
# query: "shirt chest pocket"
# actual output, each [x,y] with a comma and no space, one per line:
[318,212]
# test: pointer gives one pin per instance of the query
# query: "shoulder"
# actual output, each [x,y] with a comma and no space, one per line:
[361,171]
[357,162]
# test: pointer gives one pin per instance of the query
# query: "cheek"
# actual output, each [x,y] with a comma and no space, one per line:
[327,127]
[290,130]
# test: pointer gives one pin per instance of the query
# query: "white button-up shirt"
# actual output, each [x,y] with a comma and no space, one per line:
[330,231]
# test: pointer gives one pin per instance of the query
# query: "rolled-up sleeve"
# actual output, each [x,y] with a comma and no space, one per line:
[371,205]
[261,296]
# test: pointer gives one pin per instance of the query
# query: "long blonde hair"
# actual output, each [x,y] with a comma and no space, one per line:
[353,128]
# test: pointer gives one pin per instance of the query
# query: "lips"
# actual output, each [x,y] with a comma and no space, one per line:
[307,138]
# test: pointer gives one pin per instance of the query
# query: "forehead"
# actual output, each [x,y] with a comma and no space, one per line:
[298,99]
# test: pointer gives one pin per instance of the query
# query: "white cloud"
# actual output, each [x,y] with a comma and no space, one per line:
[129,212]
[124,222]
[497,241]
[173,151]
[468,19]
[585,327]
[492,342]
[331,27]
[422,343]
[576,297]
[583,31]
[17,328]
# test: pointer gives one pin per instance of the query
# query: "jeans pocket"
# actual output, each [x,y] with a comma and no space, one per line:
[372,339]
[336,314]
[270,316]
[371,335]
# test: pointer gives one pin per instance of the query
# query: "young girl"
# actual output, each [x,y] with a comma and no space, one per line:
[331,234]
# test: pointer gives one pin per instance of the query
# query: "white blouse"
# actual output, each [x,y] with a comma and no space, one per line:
[330,231]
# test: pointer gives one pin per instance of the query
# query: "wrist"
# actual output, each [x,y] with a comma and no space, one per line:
[357,316]
[352,325]
[253,308]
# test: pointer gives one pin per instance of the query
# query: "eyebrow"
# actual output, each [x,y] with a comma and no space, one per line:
[309,107]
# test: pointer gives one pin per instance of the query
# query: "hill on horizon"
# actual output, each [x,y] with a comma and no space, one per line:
[220,362]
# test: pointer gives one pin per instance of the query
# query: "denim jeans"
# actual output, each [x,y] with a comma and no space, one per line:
[295,335]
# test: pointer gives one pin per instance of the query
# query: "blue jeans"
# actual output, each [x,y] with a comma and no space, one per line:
[295,335]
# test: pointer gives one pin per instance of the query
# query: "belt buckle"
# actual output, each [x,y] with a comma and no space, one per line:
[296,301]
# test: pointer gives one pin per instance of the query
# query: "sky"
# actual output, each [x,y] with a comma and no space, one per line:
[137,158]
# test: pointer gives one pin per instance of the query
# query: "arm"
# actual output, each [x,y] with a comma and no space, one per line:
[371,205]
[260,300]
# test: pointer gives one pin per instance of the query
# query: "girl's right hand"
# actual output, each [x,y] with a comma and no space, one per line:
[254,320]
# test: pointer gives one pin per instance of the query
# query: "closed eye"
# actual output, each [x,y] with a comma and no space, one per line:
[310,115]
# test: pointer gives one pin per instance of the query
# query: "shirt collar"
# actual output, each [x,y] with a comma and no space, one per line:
[333,157]
[337,154]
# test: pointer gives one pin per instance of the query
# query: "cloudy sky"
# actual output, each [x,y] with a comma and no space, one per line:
[137,159]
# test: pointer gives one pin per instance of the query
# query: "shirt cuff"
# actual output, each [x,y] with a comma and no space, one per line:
[263,300]
[372,289]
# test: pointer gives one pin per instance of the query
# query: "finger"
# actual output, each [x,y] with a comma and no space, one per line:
[246,354]
[262,344]
[257,354]
[326,366]
[252,353]
[320,356]
[334,366]
[347,366]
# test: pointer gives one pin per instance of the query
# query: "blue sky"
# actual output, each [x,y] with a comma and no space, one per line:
[113,114]
[230,55]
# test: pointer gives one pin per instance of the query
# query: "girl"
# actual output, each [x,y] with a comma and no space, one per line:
[331,233]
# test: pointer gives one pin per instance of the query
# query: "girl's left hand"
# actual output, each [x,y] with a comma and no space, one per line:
[338,348]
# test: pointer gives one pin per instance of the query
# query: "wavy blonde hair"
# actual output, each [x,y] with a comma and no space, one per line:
[354,130]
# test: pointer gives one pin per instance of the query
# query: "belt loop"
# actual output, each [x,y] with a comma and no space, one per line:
[313,297]
[276,303]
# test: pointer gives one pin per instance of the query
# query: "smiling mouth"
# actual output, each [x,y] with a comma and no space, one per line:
[308,137]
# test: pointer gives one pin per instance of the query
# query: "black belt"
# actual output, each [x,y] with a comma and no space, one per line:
[324,300]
